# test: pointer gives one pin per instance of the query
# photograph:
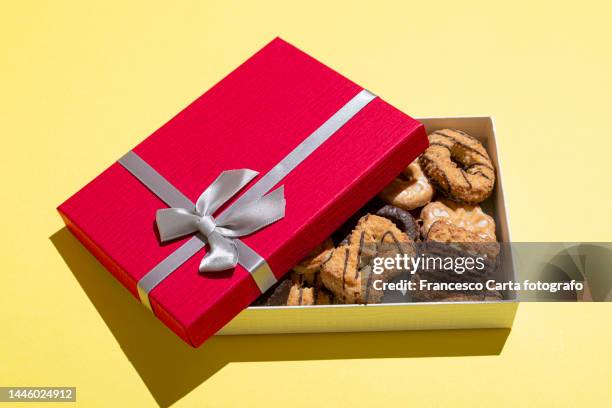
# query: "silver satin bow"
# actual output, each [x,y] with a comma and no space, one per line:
[237,221]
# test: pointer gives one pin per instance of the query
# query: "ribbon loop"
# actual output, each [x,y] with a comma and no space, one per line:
[221,256]
[252,216]
[222,189]
[241,220]
[174,223]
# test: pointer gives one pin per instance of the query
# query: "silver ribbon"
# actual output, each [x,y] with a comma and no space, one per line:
[185,217]
[238,221]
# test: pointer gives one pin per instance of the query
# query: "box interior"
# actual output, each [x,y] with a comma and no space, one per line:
[483,129]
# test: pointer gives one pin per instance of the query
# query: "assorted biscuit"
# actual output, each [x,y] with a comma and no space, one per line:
[346,273]
[410,190]
[470,218]
[433,202]
[459,166]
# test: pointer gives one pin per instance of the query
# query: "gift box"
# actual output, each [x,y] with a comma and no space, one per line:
[219,203]
[439,315]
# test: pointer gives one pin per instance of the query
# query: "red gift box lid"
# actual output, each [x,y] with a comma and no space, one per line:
[251,119]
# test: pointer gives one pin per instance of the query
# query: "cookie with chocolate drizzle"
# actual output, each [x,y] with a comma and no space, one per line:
[459,166]
[348,273]
[297,290]
[410,189]
[301,295]
[402,218]
[312,263]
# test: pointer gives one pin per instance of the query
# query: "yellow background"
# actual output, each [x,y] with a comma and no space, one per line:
[82,82]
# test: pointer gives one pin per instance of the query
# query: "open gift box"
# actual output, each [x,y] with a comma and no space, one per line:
[404,316]
[194,234]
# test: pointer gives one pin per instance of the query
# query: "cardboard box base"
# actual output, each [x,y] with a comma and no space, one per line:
[360,318]
[403,316]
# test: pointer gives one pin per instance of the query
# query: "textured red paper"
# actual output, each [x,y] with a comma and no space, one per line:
[251,119]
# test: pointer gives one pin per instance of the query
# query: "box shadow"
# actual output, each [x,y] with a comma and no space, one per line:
[171,369]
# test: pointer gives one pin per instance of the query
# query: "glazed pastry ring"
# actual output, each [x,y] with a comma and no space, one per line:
[459,166]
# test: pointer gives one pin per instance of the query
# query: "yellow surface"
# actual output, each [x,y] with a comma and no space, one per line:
[82,83]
